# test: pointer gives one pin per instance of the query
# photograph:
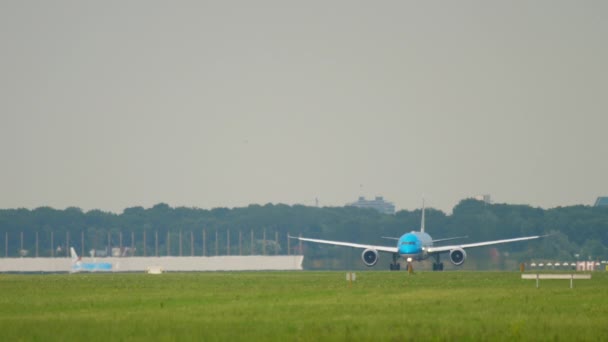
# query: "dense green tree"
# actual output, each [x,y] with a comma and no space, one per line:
[581,230]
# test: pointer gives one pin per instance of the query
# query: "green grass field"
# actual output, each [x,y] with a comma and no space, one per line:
[301,306]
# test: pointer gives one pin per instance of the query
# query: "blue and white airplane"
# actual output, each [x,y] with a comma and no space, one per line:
[79,266]
[416,246]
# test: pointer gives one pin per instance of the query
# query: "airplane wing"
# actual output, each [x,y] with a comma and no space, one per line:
[440,249]
[349,244]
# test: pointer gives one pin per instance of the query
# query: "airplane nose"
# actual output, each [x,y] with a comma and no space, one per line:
[406,249]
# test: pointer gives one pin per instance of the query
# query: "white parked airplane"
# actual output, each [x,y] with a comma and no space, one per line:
[416,246]
[79,266]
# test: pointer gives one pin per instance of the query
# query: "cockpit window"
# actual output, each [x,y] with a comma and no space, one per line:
[410,243]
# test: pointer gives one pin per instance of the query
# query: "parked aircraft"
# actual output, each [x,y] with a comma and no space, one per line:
[416,246]
[79,266]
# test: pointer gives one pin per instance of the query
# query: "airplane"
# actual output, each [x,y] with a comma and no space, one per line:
[416,246]
[79,266]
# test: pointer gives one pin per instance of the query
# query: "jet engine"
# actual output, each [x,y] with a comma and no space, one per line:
[457,256]
[369,257]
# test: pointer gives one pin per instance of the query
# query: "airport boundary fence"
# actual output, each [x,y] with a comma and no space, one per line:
[117,243]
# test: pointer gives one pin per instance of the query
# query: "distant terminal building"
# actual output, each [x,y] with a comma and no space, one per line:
[601,202]
[378,203]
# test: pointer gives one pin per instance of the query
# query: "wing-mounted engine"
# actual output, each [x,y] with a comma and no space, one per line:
[458,256]
[369,257]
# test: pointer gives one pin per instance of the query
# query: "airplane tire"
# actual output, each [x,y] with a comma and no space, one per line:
[438,266]
[392,267]
[398,266]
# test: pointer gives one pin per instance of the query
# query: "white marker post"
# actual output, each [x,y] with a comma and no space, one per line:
[350,277]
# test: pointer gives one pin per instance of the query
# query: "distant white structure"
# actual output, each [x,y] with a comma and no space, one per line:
[154,270]
[601,202]
[585,266]
[487,198]
[378,204]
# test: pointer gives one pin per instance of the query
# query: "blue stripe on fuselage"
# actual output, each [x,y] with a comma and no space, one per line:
[93,266]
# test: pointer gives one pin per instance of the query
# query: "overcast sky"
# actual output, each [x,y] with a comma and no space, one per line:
[113,104]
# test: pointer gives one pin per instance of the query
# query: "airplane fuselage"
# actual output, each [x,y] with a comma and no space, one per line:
[412,246]
[79,266]
[91,266]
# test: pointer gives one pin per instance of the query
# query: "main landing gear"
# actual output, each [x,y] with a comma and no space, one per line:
[437,266]
[395,266]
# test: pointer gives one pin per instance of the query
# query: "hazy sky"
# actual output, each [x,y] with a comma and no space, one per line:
[113,104]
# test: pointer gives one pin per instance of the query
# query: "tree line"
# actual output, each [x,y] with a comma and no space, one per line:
[579,232]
